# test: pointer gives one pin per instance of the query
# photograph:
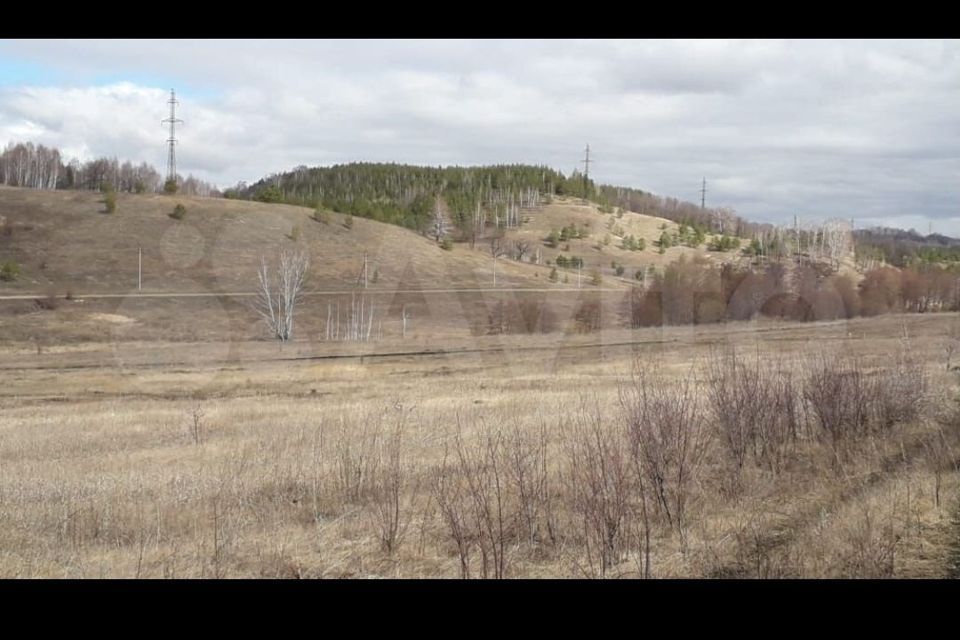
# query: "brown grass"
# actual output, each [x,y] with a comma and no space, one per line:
[165,460]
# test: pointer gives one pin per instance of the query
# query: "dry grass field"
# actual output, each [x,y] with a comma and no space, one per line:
[508,456]
[506,434]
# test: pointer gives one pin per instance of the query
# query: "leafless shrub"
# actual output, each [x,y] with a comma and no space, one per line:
[525,460]
[49,302]
[472,494]
[449,491]
[838,394]
[847,402]
[392,488]
[597,483]
[197,427]
[588,316]
[482,468]
[534,316]
[937,452]
[668,439]
[754,409]
[871,547]
[756,552]
[899,392]
[357,457]
[951,343]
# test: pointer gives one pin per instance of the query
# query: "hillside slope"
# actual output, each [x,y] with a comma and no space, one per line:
[566,212]
[64,241]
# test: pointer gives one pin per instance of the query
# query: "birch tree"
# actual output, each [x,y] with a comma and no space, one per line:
[279,291]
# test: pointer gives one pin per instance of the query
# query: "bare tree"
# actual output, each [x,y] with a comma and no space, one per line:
[496,246]
[439,224]
[279,291]
[522,247]
[496,250]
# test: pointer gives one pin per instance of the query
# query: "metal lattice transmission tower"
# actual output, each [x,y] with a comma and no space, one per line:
[172,140]
[703,195]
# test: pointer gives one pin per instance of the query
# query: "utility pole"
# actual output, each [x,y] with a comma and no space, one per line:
[586,171]
[403,321]
[172,140]
[796,237]
[703,194]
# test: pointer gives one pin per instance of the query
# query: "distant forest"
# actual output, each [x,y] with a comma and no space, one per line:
[40,167]
[474,198]
[905,248]
[408,195]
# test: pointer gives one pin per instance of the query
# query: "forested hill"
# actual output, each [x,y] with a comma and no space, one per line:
[407,195]
[904,248]
[474,198]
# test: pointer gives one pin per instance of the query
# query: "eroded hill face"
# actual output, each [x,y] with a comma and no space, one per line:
[604,243]
[65,241]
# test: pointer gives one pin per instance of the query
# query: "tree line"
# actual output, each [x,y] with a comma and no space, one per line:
[33,166]
[697,292]
[473,198]
[904,248]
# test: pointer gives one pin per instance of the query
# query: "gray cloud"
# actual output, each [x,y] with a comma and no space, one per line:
[853,129]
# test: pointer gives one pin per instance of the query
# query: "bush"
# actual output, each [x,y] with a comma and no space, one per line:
[170,186]
[179,212]
[619,269]
[348,221]
[553,239]
[295,233]
[754,408]
[553,275]
[321,216]
[726,243]
[9,271]
[110,201]
[595,278]
[446,244]
[48,303]
[270,194]
[665,241]
[589,315]
[525,317]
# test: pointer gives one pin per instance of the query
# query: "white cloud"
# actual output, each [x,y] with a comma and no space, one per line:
[861,129]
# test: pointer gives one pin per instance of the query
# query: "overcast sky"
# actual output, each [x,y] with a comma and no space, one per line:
[868,130]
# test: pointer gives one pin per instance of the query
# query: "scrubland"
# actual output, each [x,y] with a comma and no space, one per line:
[771,449]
